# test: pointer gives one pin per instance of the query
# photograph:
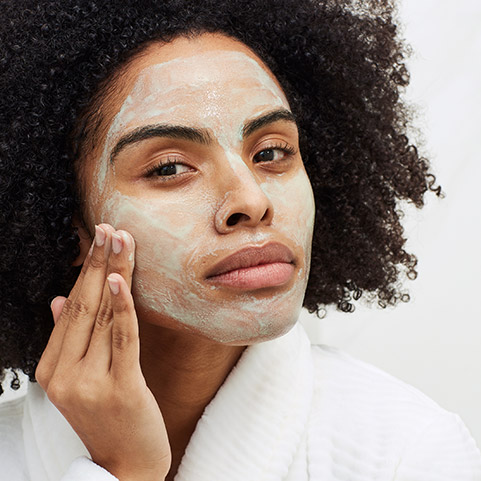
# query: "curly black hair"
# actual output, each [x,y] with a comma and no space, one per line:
[342,66]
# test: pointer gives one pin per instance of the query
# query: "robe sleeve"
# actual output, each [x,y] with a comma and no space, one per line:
[84,469]
[443,451]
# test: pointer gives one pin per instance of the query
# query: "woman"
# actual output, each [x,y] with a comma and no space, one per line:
[158,146]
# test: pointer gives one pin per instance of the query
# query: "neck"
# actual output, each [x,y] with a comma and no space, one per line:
[184,372]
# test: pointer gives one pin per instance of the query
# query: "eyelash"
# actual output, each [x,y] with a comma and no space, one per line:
[156,168]
[283,147]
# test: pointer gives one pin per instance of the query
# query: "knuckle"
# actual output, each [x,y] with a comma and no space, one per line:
[58,393]
[120,340]
[104,316]
[119,306]
[79,310]
[96,262]
[67,307]
[85,393]
[67,395]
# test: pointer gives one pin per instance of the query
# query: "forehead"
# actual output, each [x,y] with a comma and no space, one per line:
[201,87]
[209,81]
[189,57]
[176,52]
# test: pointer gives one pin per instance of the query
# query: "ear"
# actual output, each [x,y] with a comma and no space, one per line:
[85,239]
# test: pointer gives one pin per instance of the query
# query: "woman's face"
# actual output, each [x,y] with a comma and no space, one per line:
[201,161]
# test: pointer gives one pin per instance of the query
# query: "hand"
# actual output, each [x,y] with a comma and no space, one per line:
[90,368]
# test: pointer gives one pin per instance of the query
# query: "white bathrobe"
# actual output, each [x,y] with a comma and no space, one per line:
[288,411]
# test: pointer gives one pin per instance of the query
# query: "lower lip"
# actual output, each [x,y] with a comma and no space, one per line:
[256,277]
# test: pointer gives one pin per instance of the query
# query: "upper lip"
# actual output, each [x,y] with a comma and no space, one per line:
[253,256]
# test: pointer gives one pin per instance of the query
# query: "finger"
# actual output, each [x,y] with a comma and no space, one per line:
[51,354]
[122,254]
[79,313]
[78,284]
[44,369]
[56,306]
[120,262]
[125,331]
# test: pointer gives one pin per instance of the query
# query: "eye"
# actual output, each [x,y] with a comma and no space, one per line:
[168,168]
[274,153]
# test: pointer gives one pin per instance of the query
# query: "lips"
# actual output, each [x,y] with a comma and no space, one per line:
[254,267]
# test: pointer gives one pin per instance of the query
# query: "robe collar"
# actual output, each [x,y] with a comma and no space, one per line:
[254,427]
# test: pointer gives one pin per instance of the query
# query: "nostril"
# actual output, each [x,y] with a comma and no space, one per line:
[236,218]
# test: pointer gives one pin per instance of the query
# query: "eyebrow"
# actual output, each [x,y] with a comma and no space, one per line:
[201,136]
[266,119]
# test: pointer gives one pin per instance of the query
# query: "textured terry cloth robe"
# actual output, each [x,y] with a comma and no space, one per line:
[288,411]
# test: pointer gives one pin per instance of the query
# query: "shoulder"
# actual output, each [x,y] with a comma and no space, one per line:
[361,401]
[12,457]
[361,414]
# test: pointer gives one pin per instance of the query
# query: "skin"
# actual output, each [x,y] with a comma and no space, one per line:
[224,196]
[216,182]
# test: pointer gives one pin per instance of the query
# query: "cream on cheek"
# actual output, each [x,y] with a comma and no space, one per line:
[165,284]
[162,235]
[294,205]
[171,233]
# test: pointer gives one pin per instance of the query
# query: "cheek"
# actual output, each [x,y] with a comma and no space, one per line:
[294,208]
[163,235]
[171,236]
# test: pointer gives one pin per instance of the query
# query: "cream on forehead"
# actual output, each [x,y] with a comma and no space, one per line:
[160,91]
[155,91]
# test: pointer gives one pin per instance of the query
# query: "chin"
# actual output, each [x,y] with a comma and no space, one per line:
[248,320]
[270,332]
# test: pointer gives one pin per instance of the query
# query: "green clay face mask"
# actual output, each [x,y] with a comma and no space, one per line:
[176,229]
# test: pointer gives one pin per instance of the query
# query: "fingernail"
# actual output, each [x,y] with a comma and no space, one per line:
[99,236]
[116,243]
[114,285]
[126,239]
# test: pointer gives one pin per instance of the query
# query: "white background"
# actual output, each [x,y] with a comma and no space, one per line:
[434,342]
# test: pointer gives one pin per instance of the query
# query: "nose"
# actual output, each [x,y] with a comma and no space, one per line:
[245,204]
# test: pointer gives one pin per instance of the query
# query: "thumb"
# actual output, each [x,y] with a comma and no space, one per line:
[56,306]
